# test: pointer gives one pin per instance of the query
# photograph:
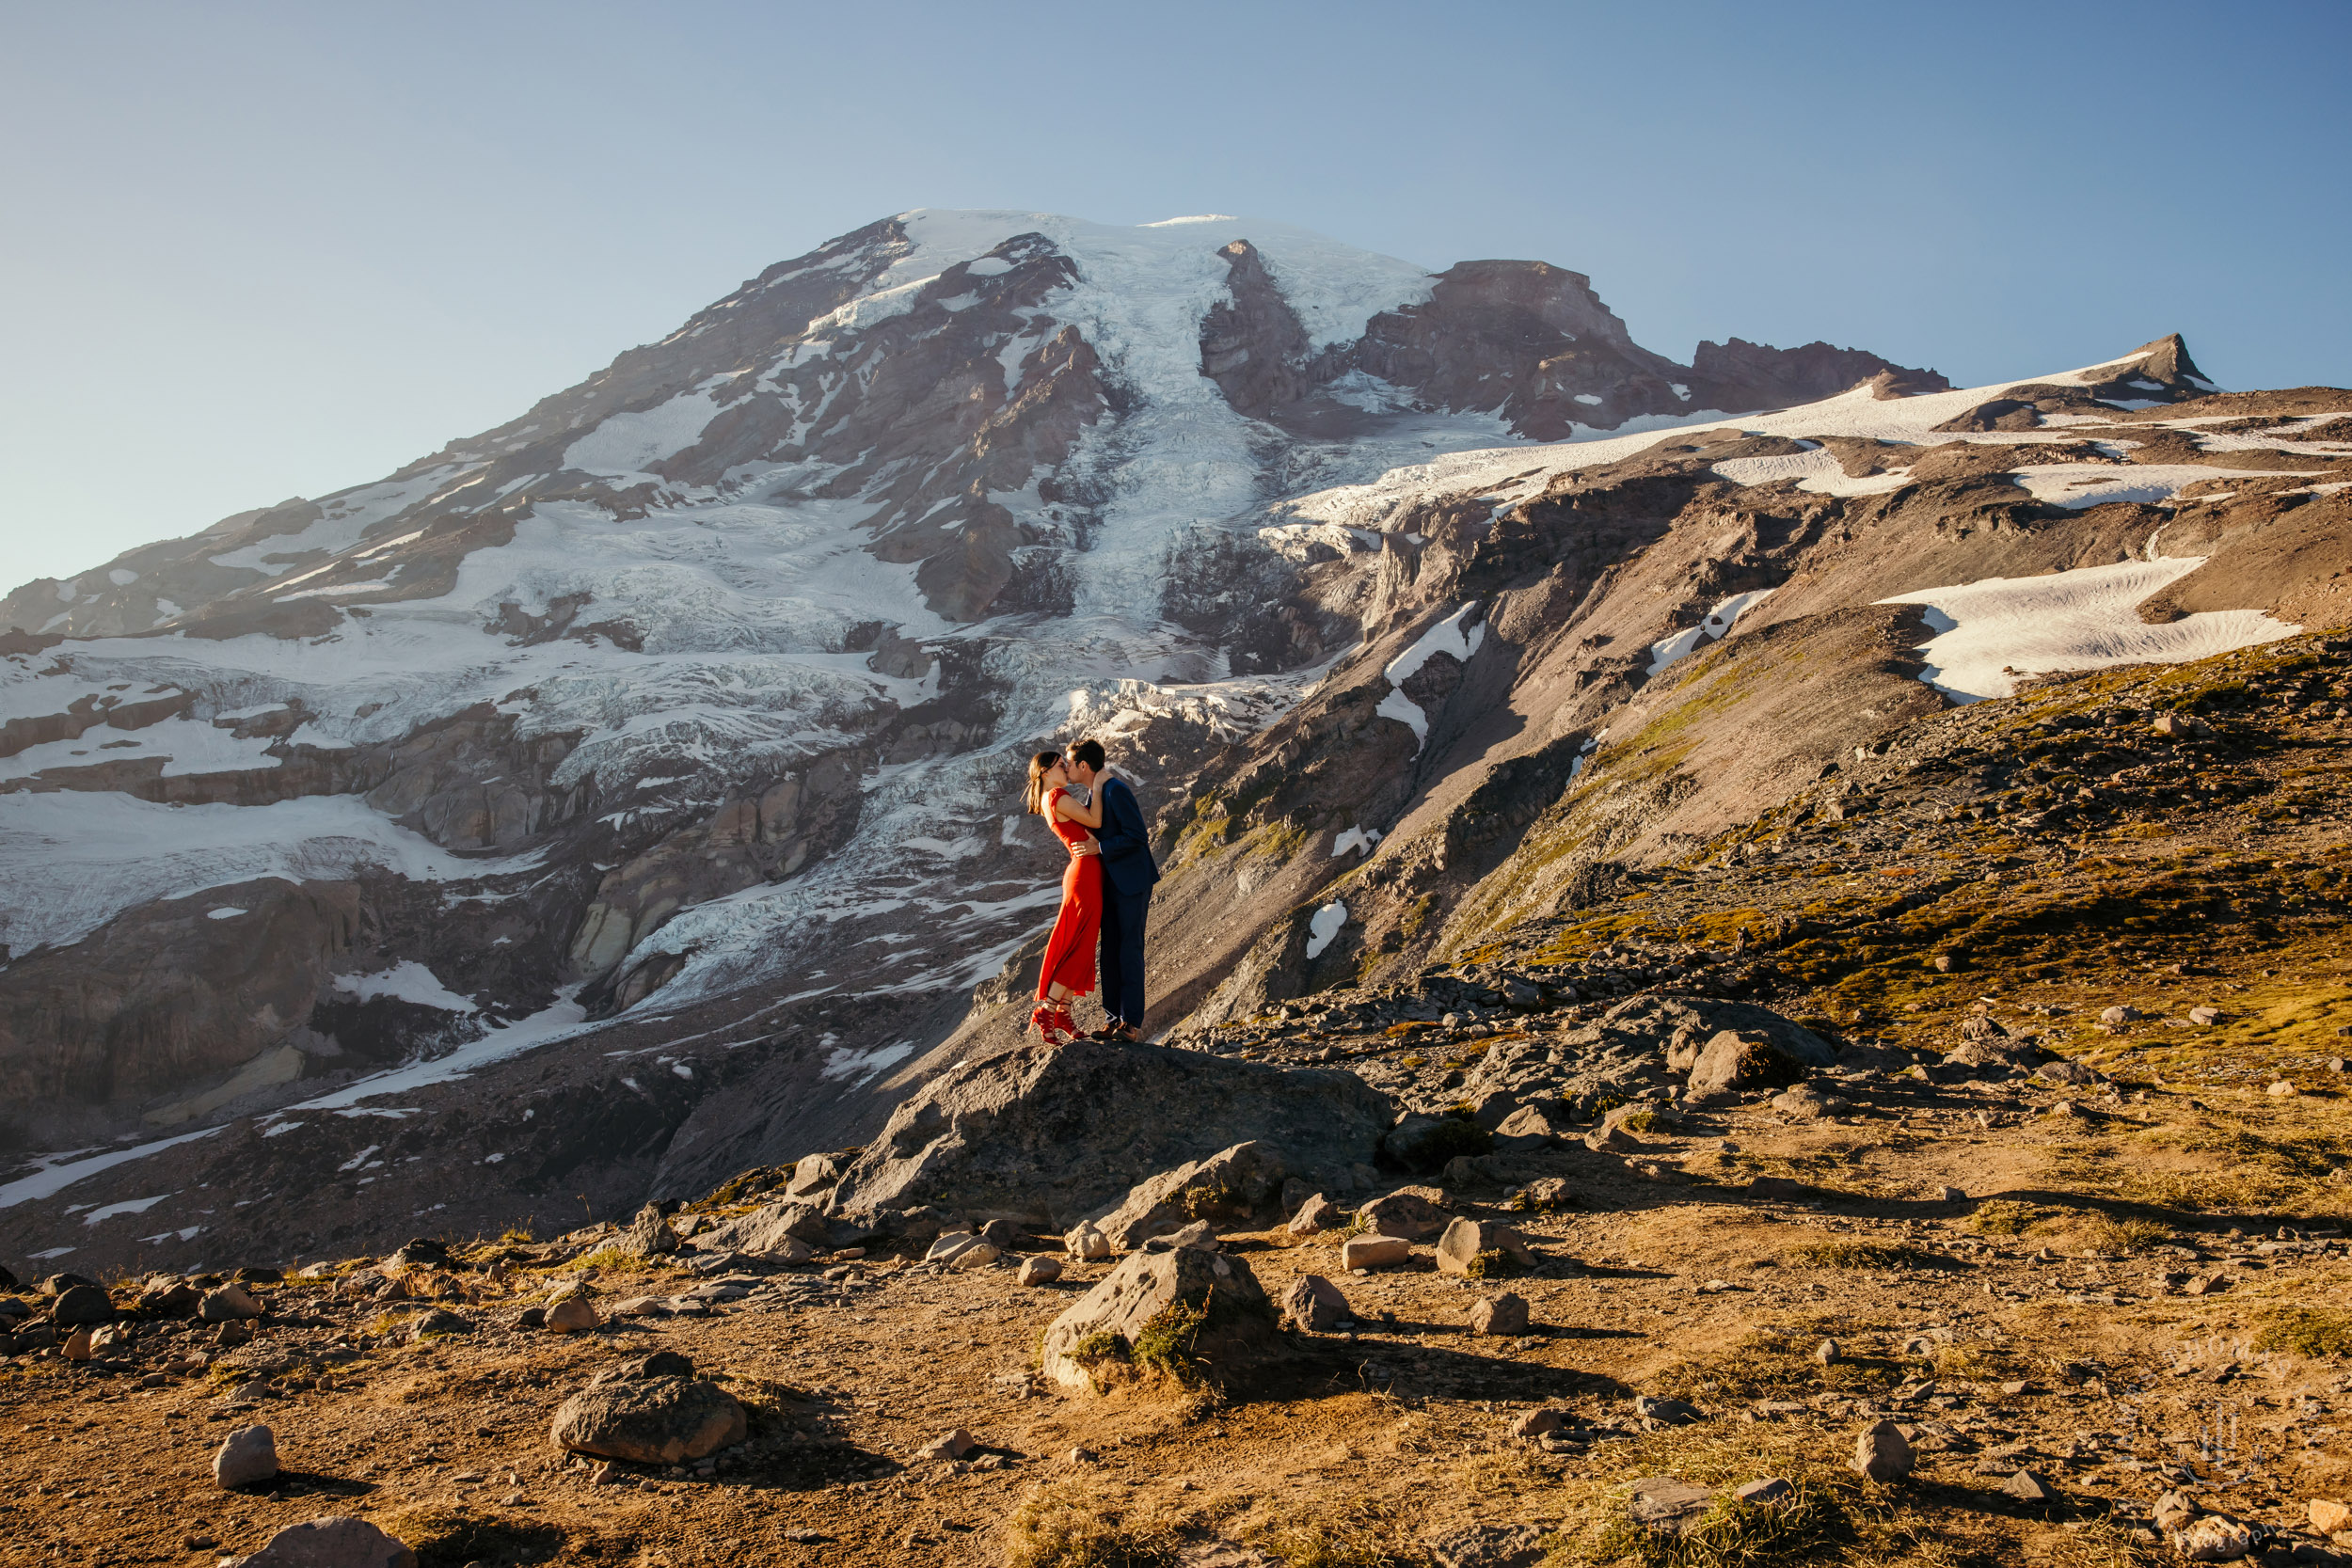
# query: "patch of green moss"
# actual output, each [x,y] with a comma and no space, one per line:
[2306,1331]
[1165,1343]
[1862,1255]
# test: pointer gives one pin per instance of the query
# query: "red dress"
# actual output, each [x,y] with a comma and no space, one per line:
[1078,929]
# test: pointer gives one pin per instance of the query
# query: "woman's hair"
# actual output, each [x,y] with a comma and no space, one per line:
[1033,797]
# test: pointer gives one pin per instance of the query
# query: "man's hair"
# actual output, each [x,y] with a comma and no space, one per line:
[1089,752]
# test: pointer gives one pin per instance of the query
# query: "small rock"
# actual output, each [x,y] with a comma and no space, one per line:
[1882,1453]
[1947,1195]
[331,1543]
[1005,1235]
[1086,1243]
[1477,1247]
[1769,1493]
[439,1320]
[77,1346]
[2213,1538]
[2205,1018]
[2121,1015]
[78,1304]
[1806,1103]
[2028,1487]
[574,1314]
[948,1244]
[2282,1089]
[1505,1314]
[1657,1413]
[1040,1270]
[1079,1456]
[649,1235]
[1536,1423]
[1827,1352]
[228,1303]
[955,1445]
[812,1171]
[1667,1503]
[607,1474]
[248,1454]
[1373,1252]
[2172,1512]
[1406,1213]
[1314,1304]
[2328,1516]
[1199,1233]
[1317,1212]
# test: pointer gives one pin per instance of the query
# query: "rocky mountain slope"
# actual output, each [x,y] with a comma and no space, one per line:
[622,798]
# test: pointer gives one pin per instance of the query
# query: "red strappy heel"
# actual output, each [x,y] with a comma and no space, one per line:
[1054,1025]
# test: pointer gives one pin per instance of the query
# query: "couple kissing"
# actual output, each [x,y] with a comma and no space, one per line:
[1105,893]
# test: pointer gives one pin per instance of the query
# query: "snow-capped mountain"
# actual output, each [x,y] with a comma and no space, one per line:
[677,635]
[678,723]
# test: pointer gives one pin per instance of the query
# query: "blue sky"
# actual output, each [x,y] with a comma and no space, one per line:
[255,250]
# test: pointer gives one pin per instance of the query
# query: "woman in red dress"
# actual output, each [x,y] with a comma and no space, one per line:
[1069,967]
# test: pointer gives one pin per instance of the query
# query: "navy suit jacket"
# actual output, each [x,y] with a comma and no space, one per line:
[1126,847]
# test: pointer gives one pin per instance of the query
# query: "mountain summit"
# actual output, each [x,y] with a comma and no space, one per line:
[985,393]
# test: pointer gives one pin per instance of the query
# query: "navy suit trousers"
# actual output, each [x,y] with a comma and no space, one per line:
[1123,915]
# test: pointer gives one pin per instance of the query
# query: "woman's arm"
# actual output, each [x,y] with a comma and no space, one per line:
[1088,815]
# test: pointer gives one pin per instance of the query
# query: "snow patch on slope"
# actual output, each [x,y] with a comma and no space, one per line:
[1718,624]
[1990,632]
[559,1020]
[406,981]
[633,443]
[2075,485]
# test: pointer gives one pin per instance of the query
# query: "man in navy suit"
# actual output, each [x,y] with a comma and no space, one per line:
[1127,878]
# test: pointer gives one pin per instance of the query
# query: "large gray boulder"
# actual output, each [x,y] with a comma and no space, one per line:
[1051,1134]
[330,1542]
[1738,1059]
[787,1231]
[650,1419]
[1225,1189]
[1187,1312]
[79,1306]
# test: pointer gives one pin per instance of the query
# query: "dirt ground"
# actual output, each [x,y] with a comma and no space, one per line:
[2055,1349]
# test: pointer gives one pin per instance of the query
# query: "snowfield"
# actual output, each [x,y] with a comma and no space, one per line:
[1990,632]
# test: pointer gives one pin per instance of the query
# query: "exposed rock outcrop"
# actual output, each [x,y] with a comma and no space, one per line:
[1053,1134]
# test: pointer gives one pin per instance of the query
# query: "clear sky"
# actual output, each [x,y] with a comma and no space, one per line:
[258,251]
